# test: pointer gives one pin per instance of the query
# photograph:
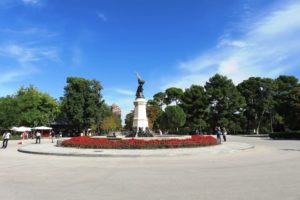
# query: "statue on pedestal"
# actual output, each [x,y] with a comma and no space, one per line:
[140,120]
[139,91]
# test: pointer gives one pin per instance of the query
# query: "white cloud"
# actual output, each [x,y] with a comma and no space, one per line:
[20,61]
[25,54]
[101,16]
[187,80]
[31,2]
[15,74]
[9,77]
[234,43]
[269,47]
[125,92]
[7,4]
[199,63]
[29,32]
[279,21]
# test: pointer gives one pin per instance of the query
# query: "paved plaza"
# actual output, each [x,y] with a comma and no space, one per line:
[270,170]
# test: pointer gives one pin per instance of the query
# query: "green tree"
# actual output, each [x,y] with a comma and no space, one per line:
[153,112]
[173,94]
[259,94]
[224,100]
[110,123]
[105,111]
[29,107]
[81,104]
[173,117]
[159,98]
[129,121]
[195,106]
[294,118]
[37,108]
[285,100]
[9,112]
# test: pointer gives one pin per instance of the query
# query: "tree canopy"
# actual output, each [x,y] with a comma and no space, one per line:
[259,95]
[110,123]
[81,104]
[195,106]
[173,117]
[29,107]
[224,100]
[173,94]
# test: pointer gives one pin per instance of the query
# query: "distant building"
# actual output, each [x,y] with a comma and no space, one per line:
[116,109]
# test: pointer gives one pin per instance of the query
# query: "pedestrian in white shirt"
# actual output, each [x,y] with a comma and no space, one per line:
[6,136]
[224,133]
[38,137]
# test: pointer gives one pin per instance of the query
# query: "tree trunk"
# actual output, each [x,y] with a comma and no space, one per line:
[271,122]
[258,126]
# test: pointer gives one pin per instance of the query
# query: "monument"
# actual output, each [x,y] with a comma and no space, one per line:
[140,121]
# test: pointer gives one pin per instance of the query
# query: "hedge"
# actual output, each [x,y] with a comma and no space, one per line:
[285,135]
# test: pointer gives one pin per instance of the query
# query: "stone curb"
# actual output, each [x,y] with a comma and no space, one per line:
[51,149]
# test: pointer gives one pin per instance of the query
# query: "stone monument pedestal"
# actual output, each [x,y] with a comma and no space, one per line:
[140,119]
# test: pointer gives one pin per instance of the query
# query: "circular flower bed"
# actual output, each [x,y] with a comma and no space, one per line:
[104,143]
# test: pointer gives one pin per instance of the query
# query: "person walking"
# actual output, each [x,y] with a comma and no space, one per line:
[52,134]
[6,136]
[38,137]
[23,137]
[218,134]
[224,133]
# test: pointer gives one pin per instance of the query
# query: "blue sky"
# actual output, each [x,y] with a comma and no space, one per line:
[169,42]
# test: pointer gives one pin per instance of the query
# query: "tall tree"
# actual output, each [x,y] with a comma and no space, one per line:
[159,98]
[259,94]
[81,103]
[195,104]
[129,121]
[9,112]
[29,107]
[37,108]
[173,94]
[294,109]
[225,101]
[285,99]
[174,117]
[153,112]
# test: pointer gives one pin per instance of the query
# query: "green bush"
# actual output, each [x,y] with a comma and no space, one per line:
[113,138]
[285,135]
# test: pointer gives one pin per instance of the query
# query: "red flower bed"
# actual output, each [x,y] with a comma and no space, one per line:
[103,143]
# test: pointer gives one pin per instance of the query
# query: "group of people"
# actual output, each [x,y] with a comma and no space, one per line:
[6,136]
[36,134]
[220,132]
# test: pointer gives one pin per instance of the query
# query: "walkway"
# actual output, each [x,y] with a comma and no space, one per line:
[268,171]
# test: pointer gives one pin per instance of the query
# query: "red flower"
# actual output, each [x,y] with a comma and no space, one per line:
[103,143]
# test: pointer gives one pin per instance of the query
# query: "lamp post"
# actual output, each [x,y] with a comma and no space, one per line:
[263,110]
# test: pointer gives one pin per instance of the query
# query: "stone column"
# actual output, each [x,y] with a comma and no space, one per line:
[140,119]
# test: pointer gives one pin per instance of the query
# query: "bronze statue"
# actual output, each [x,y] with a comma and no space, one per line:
[139,91]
